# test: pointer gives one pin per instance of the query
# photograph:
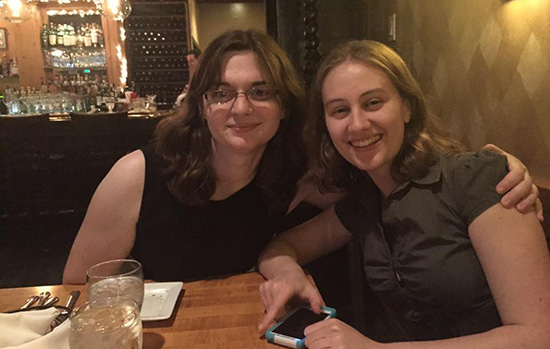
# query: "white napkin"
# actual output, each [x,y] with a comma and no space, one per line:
[30,329]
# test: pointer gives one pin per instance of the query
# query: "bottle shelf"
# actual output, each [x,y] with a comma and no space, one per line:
[75,68]
[73,49]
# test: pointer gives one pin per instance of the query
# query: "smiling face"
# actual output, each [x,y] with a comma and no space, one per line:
[242,125]
[365,117]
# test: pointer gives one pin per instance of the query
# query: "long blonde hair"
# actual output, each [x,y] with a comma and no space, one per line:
[424,138]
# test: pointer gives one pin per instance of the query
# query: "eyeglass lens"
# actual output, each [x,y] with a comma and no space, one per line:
[257,94]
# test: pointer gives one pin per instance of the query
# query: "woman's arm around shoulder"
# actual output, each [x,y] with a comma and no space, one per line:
[108,230]
[517,186]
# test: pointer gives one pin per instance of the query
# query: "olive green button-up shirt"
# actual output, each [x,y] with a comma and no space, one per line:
[418,257]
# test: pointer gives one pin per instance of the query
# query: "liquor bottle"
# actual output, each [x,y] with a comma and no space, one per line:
[14,68]
[52,35]
[87,37]
[44,35]
[5,66]
[66,38]
[3,106]
[79,38]
[72,35]
[100,38]
[60,33]
[94,36]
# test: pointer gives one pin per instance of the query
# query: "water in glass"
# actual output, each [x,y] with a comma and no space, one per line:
[106,324]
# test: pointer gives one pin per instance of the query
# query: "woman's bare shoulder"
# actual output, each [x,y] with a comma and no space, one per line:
[125,180]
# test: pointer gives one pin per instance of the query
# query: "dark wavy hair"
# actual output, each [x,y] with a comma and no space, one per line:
[184,141]
[424,139]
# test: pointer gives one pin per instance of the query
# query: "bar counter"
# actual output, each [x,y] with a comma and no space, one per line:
[54,163]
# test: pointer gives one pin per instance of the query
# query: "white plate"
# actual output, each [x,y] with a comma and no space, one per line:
[159,300]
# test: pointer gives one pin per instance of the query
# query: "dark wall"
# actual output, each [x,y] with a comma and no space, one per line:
[337,20]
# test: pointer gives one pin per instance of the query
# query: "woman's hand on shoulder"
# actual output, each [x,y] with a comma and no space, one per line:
[108,229]
[334,333]
[517,186]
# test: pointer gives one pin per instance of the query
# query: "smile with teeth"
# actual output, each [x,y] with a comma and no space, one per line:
[366,142]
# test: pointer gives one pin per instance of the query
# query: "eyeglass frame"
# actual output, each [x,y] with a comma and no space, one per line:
[237,93]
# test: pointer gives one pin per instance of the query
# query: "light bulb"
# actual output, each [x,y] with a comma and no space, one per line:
[114,9]
[17,11]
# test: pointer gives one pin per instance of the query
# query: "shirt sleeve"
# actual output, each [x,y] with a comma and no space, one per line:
[474,180]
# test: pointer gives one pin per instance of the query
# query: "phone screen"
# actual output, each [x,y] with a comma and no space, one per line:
[295,325]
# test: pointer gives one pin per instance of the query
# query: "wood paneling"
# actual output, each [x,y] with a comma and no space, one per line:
[484,66]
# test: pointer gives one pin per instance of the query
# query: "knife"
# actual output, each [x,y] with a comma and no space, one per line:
[73,297]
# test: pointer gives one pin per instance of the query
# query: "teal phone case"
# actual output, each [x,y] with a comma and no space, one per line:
[291,342]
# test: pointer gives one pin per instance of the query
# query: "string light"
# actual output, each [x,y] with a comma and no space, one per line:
[17,11]
[65,1]
[73,12]
[114,9]
[122,58]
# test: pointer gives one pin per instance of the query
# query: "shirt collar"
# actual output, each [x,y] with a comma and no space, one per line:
[433,176]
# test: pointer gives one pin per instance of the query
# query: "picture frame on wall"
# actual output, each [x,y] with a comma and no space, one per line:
[3,39]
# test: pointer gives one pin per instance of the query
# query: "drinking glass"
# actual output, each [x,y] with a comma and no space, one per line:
[116,278]
[151,105]
[110,103]
[109,323]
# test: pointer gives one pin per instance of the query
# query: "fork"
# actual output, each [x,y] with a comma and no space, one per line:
[30,301]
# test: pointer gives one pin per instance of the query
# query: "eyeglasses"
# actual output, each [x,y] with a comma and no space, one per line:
[256,94]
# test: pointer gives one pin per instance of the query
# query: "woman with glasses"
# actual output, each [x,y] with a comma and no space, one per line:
[208,195]
[212,191]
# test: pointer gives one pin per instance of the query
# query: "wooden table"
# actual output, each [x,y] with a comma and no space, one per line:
[216,313]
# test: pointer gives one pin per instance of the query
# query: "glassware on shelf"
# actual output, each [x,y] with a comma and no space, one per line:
[110,103]
[151,104]
[114,9]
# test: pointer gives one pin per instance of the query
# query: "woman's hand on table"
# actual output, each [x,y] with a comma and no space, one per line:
[287,289]
[334,333]
[517,186]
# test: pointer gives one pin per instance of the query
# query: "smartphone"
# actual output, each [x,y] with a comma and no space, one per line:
[289,331]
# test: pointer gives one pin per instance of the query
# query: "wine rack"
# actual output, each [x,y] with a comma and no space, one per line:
[157,40]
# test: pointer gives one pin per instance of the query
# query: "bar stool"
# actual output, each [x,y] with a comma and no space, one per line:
[24,172]
[99,141]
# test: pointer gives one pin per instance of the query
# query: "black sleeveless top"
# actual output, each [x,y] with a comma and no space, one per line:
[181,242]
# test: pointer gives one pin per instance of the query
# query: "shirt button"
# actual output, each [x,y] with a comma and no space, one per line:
[416,315]
[398,276]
